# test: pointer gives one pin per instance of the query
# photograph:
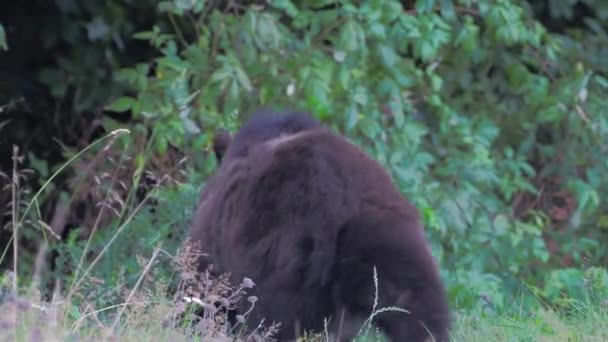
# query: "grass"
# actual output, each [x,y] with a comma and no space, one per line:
[144,311]
[146,318]
[588,323]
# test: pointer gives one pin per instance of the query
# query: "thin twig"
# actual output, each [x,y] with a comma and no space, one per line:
[112,134]
[134,289]
[177,30]
[106,247]
[100,214]
[16,223]
[79,321]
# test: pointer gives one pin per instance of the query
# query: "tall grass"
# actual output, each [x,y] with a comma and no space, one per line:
[146,309]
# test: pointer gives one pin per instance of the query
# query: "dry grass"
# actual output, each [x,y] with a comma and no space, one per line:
[150,316]
[589,324]
[144,312]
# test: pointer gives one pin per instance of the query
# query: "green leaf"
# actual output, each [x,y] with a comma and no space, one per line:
[360,96]
[161,145]
[344,77]
[550,114]
[352,117]
[221,74]
[350,36]
[243,79]
[286,6]
[427,51]
[388,55]
[424,6]
[378,31]
[436,82]
[190,126]
[447,9]
[3,43]
[73,312]
[404,80]
[145,35]
[121,104]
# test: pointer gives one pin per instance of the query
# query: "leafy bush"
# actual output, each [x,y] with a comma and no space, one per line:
[487,121]
[162,225]
[490,116]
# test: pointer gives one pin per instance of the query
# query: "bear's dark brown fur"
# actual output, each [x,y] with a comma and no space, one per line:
[307,215]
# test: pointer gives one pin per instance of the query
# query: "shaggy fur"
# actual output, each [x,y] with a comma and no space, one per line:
[307,215]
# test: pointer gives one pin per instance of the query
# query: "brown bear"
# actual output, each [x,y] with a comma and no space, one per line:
[307,215]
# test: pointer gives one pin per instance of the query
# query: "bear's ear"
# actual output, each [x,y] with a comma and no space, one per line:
[220,143]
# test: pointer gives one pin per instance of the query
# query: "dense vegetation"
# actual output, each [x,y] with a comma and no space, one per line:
[491,115]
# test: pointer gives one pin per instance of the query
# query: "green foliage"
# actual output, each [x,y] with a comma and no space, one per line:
[97,35]
[159,225]
[570,288]
[452,96]
[3,43]
[490,115]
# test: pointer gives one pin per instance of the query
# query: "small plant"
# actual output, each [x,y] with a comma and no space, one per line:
[214,297]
